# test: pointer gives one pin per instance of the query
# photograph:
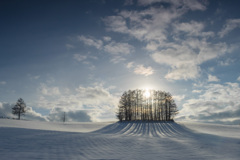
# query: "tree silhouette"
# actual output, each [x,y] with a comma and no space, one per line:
[146,105]
[19,108]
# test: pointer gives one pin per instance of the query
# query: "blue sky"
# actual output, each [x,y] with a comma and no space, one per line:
[78,57]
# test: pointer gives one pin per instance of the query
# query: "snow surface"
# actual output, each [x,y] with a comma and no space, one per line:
[25,140]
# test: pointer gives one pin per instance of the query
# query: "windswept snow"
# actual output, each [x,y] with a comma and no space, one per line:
[54,126]
[46,140]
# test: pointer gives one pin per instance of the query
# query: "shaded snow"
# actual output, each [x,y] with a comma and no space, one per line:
[45,140]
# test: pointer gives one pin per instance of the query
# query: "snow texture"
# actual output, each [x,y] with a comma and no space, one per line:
[28,140]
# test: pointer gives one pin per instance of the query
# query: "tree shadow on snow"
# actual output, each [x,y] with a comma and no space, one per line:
[151,129]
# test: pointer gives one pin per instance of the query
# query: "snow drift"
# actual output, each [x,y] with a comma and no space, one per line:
[134,140]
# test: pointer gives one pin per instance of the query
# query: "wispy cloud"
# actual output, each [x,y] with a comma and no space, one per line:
[3,82]
[238,79]
[141,70]
[185,72]
[107,39]
[212,78]
[230,25]
[118,48]
[117,59]
[90,41]
[85,59]
[192,28]
[48,91]
[130,65]
[226,62]
[154,26]
[196,91]
[79,57]
[186,56]
[192,5]
[70,46]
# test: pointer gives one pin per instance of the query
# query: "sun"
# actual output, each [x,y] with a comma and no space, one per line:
[147,93]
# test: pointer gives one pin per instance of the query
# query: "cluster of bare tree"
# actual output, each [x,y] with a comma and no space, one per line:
[146,105]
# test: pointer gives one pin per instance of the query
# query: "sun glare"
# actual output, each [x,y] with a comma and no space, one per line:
[147,93]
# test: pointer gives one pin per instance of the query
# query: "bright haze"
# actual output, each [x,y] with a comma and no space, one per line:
[78,57]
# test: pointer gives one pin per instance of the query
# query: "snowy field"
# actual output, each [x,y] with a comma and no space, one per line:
[28,140]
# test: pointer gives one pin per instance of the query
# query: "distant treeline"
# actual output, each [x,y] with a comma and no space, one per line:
[146,105]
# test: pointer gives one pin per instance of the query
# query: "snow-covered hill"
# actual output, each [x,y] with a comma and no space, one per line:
[110,140]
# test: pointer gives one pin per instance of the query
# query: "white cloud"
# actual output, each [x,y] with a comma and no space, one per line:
[6,112]
[33,115]
[35,77]
[186,4]
[192,28]
[116,23]
[185,59]
[79,57]
[146,25]
[212,78]
[182,61]
[48,91]
[210,51]
[155,24]
[96,101]
[226,62]
[107,39]
[178,97]
[196,91]
[57,114]
[230,25]
[183,72]
[83,59]
[90,41]
[117,59]
[141,70]
[175,56]
[118,48]
[238,79]
[211,69]
[3,82]
[152,46]
[217,103]
[130,65]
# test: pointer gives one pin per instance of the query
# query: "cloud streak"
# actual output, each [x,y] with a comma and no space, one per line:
[140,69]
[230,25]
